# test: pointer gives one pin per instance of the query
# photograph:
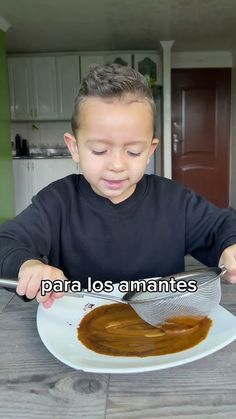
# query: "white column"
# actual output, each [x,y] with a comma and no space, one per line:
[167,145]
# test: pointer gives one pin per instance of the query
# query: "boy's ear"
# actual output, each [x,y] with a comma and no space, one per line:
[153,146]
[72,145]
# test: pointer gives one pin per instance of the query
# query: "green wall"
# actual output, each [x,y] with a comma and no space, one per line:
[6,174]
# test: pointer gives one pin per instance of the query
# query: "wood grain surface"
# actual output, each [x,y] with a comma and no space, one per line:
[33,384]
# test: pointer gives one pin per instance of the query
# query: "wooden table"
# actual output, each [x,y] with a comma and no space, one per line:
[33,384]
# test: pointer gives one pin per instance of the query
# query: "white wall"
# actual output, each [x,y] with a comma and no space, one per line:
[41,133]
[201,59]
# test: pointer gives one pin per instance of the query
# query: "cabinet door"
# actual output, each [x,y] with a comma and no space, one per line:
[68,79]
[149,65]
[45,87]
[122,59]
[21,172]
[88,61]
[19,70]
[46,171]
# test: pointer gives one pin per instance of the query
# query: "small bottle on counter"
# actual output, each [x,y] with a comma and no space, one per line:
[18,145]
[24,148]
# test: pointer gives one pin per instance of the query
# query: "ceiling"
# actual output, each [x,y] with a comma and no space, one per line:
[89,25]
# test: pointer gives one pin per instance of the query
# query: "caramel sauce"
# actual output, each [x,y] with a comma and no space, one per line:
[116,329]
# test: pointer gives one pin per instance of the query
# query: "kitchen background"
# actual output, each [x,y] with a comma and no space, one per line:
[41,134]
[36,46]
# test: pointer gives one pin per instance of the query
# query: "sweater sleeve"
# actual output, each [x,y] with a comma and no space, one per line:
[209,229]
[26,237]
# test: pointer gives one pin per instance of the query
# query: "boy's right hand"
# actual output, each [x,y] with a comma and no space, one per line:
[31,273]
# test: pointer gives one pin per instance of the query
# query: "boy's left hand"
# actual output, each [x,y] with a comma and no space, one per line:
[228,259]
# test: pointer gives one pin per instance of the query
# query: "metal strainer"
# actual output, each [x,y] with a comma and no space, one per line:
[156,307]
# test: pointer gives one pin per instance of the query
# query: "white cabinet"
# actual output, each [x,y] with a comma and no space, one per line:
[149,64]
[44,87]
[122,59]
[20,88]
[45,171]
[22,184]
[68,81]
[33,89]
[32,175]
[88,61]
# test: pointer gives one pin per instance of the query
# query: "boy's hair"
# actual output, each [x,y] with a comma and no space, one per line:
[112,81]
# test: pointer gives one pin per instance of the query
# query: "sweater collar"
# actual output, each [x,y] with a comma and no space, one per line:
[99,202]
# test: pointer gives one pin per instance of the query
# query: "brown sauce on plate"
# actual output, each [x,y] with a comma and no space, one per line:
[116,329]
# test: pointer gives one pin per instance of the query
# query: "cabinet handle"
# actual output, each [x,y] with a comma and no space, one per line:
[31,113]
[36,113]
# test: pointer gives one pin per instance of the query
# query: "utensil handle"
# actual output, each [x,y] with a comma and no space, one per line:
[109,297]
[12,284]
[223,268]
[9,283]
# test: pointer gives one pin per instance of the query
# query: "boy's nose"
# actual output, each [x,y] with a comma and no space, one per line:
[116,162]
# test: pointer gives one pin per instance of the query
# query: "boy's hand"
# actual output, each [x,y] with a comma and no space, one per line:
[31,273]
[228,259]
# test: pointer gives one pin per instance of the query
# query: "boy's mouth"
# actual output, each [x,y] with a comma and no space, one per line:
[114,184]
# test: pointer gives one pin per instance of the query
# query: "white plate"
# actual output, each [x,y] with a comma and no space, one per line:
[57,328]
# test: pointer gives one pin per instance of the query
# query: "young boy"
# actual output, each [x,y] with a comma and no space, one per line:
[113,222]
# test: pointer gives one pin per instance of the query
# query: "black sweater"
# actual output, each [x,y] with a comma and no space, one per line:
[146,235]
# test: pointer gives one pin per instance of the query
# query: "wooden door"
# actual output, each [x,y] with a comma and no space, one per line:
[201,131]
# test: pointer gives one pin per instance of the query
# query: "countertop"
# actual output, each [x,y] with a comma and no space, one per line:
[45,153]
[42,156]
[33,384]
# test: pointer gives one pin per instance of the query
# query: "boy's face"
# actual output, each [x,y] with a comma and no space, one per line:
[114,144]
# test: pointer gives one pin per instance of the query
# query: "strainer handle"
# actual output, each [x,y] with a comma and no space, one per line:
[12,283]
[223,268]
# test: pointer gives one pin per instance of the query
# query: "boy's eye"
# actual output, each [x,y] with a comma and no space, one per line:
[131,153]
[98,153]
